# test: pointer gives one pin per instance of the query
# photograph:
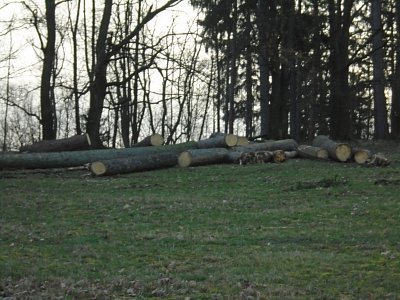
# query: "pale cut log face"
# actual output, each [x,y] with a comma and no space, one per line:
[361,157]
[184,159]
[98,168]
[231,140]
[156,139]
[322,153]
[343,152]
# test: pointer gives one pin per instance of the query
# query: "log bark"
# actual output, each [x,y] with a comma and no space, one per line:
[79,158]
[361,156]
[152,140]
[138,163]
[218,140]
[197,157]
[291,154]
[312,152]
[76,142]
[242,141]
[337,151]
[286,145]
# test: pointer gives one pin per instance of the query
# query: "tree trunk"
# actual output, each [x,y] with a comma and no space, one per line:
[339,25]
[196,157]
[338,151]
[76,142]
[262,28]
[48,119]
[312,152]
[99,85]
[79,158]
[138,163]
[395,111]
[380,111]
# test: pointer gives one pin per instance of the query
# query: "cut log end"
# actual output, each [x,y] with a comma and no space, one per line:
[361,157]
[279,156]
[98,168]
[322,154]
[184,159]
[231,140]
[343,152]
[156,139]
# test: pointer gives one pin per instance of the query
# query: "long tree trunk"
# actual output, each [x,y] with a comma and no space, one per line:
[263,29]
[395,111]
[339,22]
[99,85]
[380,112]
[233,68]
[49,51]
[249,79]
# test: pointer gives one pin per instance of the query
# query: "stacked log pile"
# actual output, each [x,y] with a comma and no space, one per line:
[150,154]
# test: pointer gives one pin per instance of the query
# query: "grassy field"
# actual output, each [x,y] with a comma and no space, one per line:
[298,230]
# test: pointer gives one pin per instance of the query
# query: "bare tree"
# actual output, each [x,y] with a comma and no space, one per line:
[104,54]
[380,112]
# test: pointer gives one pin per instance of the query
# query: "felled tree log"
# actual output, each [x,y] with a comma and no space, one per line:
[285,145]
[196,157]
[142,162]
[291,154]
[361,156]
[218,140]
[312,152]
[76,142]
[152,140]
[79,158]
[338,151]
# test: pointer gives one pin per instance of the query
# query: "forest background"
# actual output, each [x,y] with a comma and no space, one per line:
[123,69]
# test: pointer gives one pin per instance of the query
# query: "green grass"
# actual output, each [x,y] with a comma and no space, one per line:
[298,230]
